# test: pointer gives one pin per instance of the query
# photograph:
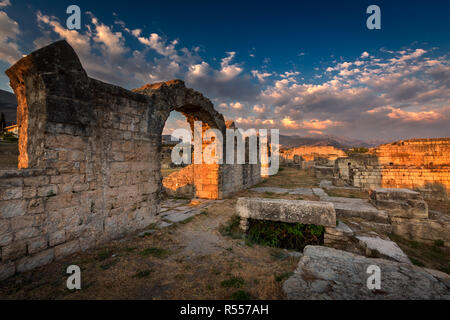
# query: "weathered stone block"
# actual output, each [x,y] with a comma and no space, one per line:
[36,181]
[393,194]
[26,233]
[7,270]
[14,250]
[66,249]
[36,260]
[6,238]
[57,237]
[326,273]
[403,208]
[37,244]
[27,221]
[12,208]
[293,211]
[5,225]
[10,193]
[47,191]
[35,206]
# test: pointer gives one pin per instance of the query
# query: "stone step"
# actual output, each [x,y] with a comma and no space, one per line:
[394,194]
[360,209]
[291,211]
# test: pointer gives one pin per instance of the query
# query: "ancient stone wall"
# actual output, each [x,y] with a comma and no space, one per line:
[180,183]
[89,158]
[404,164]
[416,152]
[308,153]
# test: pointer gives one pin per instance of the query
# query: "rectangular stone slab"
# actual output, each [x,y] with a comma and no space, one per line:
[292,211]
[394,194]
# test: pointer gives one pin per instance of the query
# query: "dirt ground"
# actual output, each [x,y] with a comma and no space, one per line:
[189,260]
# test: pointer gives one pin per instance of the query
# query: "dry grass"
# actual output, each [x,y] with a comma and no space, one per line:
[291,178]
[425,255]
[439,205]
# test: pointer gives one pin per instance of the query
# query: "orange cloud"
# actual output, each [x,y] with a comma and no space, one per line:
[410,116]
[289,123]
[317,125]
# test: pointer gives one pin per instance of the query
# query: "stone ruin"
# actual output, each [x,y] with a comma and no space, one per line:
[357,236]
[318,160]
[416,164]
[90,159]
[308,156]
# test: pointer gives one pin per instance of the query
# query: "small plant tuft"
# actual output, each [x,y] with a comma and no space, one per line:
[241,295]
[142,274]
[233,282]
[104,254]
[439,243]
[282,276]
[155,252]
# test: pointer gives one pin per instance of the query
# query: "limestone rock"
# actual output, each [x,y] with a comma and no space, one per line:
[393,194]
[384,248]
[293,211]
[326,273]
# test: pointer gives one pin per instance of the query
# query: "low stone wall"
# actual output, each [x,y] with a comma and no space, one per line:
[401,177]
[414,152]
[413,164]
[46,215]
[309,153]
[323,172]
[409,216]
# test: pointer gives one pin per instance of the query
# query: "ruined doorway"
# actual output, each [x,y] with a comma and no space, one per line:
[177,179]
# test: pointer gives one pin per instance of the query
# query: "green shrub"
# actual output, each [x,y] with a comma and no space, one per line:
[142,274]
[357,150]
[233,282]
[284,235]
[241,295]
[282,276]
[417,262]
[104,254]
[155,252]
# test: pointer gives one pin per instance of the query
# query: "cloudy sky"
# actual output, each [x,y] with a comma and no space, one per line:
[305,67]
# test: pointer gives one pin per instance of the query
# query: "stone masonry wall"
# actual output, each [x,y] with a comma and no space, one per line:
[416,152]
[403,164]
[89,158]
[90,177]
[308,153]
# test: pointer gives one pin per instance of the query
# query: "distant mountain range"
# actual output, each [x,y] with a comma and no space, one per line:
[327,140]
[8,105]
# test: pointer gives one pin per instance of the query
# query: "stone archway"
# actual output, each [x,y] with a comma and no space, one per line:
[174,96]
